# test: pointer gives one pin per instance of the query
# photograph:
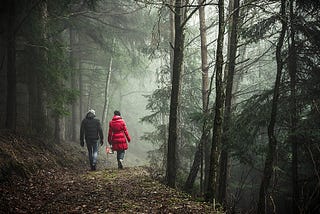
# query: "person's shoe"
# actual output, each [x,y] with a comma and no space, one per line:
[93,168]
[120,165]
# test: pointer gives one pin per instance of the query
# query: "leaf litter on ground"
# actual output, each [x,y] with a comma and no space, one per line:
[131,190]
[41,177]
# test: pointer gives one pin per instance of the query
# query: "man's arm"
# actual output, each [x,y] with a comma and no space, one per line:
[100,133]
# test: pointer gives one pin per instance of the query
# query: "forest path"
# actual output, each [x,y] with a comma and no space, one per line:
[131,190]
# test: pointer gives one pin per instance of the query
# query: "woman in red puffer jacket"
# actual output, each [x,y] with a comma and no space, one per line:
[118,136]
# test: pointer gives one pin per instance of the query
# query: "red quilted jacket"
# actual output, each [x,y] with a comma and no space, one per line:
[118,134]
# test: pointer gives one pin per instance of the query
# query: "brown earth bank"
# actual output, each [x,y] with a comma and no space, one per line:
[42,177]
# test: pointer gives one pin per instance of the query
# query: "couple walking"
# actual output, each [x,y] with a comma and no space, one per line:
[91,132]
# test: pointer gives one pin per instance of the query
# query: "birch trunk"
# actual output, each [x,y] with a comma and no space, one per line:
[106,94]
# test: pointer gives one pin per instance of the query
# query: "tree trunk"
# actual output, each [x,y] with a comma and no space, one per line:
[206,154]
[11,69]
[37,76]
[218,119]
[230,69]
[165,114]
[106,94]
[74,108]
[81,83]
[62,129]
[172,36]
[198,157]
[57,129]
[89,101]
[44,63]
[3,68]
[292,67]
[268,168]
[175,96]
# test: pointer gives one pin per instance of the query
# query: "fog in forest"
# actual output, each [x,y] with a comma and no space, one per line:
[221,98]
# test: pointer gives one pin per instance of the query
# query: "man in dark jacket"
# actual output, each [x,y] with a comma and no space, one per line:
[91,132]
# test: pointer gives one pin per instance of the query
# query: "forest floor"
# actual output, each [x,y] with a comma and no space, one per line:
[37,177]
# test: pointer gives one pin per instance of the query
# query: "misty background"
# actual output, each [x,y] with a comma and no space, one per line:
[254,136]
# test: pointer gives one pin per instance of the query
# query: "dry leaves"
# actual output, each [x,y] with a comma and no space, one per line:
[104,191]
[65,186]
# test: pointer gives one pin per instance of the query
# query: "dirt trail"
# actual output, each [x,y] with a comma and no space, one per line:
[41,177]
[104,191]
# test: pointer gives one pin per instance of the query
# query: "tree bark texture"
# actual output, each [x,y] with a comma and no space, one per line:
[268,168]
[175,96]
[196,162]
[73,66]
[11,69]
[106,94]
[172,36]
[293,139]
[198,157]
[57,129]
[218,118]
[37,75]
[205,83]
[230,69]
[81,90]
